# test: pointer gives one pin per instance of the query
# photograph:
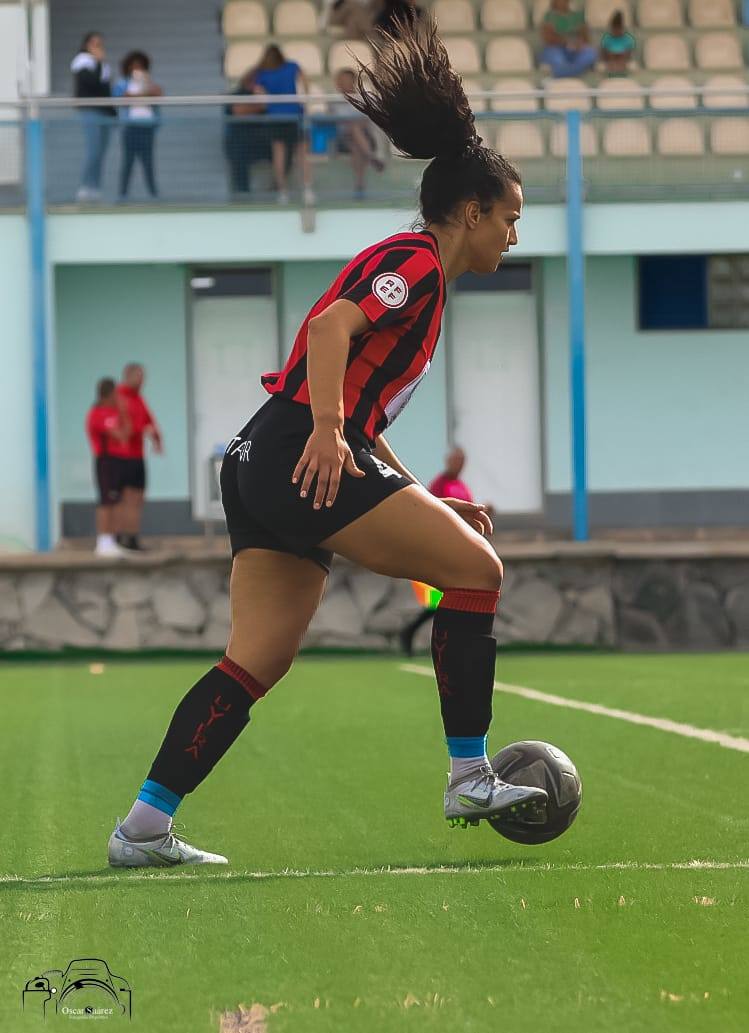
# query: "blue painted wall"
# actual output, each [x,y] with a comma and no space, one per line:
[666,410]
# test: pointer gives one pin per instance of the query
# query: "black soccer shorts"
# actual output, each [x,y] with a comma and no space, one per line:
[133,474]
[264,509]
[108,478]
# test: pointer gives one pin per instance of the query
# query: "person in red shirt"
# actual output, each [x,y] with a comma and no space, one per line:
[107,432]
[446,485]
[141,422]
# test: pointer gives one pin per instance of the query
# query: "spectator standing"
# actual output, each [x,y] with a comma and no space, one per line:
[246,137]
[354,133]
[280,77]
[139,121]
[91,78]
[133,481]
[566,38]
[447,485]
[107,431]
[617,46]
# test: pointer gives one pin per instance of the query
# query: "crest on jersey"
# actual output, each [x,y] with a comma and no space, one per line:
[391,289]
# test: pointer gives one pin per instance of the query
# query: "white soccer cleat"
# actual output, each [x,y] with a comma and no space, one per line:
[483,794]
[164,852]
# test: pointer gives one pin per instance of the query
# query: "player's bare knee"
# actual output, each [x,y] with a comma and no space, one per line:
[492,571]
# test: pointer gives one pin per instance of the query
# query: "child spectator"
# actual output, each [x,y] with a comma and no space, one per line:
[91,79]
[567,48]
[278,76]
[139,120]
[617,46]
[354,133]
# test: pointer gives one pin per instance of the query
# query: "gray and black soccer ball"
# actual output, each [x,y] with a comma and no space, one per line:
[533,763]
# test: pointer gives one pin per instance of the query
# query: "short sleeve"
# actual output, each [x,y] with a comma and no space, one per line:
[395,286]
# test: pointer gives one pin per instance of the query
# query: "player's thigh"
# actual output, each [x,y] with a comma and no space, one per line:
[413,535]
[273,597]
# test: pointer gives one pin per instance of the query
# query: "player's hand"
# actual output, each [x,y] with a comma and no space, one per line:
[474,513]
[326,455]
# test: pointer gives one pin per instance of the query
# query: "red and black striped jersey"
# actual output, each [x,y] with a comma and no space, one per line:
[399,284]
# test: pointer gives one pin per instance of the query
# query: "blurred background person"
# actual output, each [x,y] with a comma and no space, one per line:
[446,485]
[280,77]
[354,17]
[91,78]
[246,137]
[139,121]
[354,133]
[567,50]
[107,430]
[394,12]
[133,471]
[617,46]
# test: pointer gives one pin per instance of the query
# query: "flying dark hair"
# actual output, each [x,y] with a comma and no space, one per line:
[104,388]
[415,97]
[135,57]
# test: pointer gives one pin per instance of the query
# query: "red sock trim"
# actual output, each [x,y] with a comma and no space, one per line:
[254,688]
[469,600]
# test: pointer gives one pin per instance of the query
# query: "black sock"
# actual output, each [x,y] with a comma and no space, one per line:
[464,652]
[204,726]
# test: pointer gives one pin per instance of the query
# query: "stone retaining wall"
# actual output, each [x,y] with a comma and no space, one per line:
[659,597]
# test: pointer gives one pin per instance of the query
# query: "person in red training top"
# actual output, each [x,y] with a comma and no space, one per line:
[448,484]
[141,423]
[107,431]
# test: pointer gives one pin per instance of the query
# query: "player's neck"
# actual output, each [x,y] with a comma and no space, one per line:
[450,247]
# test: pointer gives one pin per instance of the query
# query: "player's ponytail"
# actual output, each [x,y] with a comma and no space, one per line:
[414,96]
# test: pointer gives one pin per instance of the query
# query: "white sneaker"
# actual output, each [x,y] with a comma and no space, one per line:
[164,852]
[483,794]
[84,194]
[282,197]
[309,196]
[109,549]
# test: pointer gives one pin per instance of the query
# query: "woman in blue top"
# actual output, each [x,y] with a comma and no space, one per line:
[278,76]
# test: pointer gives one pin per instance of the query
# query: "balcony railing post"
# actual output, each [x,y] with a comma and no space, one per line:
[36,218]
[576,302]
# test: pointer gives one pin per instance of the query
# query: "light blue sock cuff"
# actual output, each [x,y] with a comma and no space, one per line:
[159,796]
[466,746]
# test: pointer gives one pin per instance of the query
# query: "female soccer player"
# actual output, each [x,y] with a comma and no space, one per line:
[311,474]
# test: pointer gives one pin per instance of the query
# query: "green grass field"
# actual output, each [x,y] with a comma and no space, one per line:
[348,904]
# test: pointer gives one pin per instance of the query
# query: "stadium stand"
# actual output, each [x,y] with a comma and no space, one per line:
[295,18]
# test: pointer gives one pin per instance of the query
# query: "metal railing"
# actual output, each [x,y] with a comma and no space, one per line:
[204,155]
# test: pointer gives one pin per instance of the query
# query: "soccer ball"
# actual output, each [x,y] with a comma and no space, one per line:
[539,764]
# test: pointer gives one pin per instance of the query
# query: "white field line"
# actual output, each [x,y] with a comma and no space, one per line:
[448,869]
[663,724]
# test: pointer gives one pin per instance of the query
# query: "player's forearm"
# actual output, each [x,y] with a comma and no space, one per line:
[327,354]
[384,452]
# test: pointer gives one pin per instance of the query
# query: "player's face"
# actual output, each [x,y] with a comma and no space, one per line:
[495,231]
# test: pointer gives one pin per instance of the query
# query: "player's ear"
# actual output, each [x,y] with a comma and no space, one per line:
[472,214]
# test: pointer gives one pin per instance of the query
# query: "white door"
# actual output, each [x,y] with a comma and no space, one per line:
[234,340]
[495,396]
